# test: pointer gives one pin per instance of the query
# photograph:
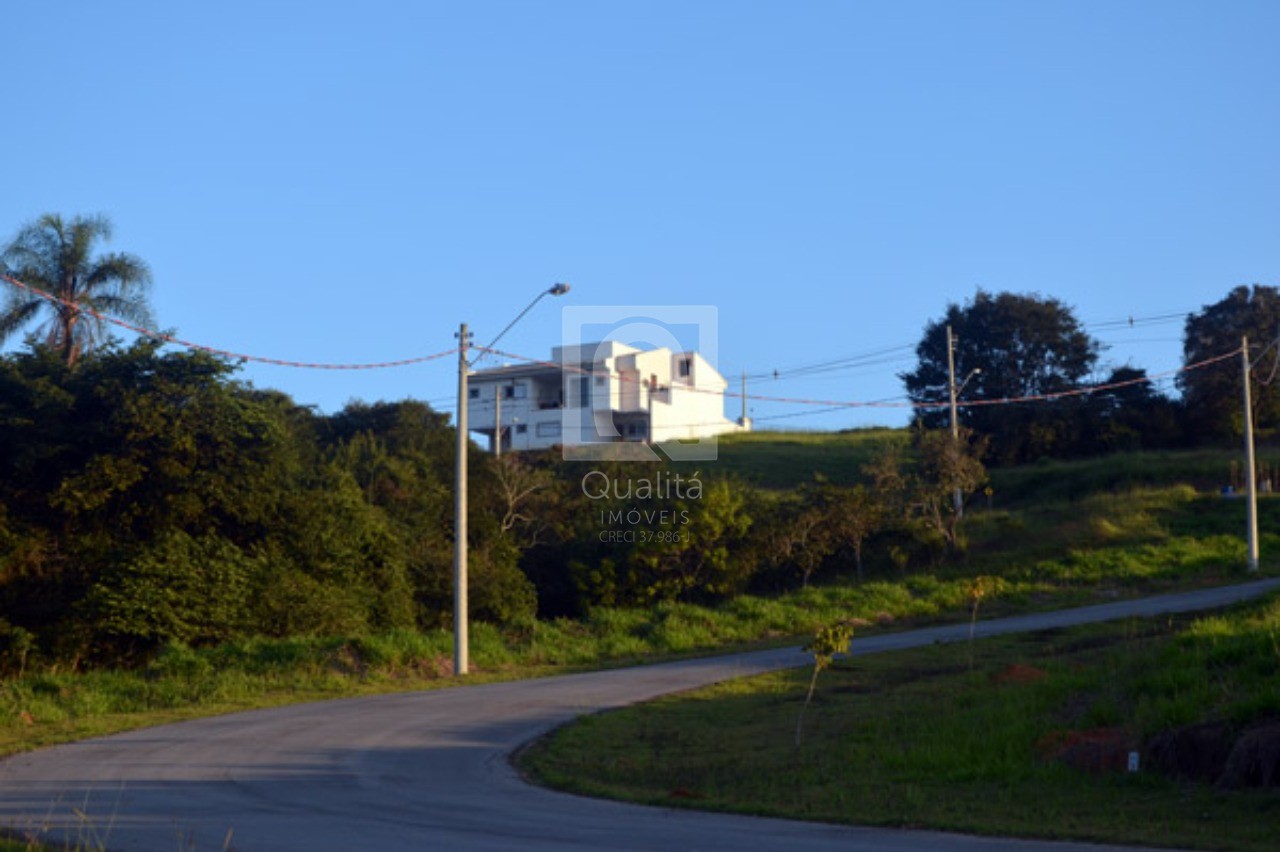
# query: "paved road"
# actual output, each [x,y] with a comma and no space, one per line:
[429,770]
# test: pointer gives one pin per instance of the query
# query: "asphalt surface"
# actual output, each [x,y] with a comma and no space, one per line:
[430,770]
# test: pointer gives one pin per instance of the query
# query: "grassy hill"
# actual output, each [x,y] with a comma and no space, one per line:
[780,460]
[786,459]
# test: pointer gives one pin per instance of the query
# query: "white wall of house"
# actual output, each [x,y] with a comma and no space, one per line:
[601,392]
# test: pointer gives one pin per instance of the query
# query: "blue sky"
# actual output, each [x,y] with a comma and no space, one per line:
[349,182]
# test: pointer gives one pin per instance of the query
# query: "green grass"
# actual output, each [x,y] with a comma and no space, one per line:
[1207,470]
[927,738]
[787,459]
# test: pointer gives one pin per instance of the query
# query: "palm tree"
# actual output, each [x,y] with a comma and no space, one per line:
[57,257]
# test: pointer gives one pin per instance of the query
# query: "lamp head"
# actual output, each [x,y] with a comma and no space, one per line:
[559,289]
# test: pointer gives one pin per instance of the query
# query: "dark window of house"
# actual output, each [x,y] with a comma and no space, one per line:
[521,428]
[473,393]
[685,365]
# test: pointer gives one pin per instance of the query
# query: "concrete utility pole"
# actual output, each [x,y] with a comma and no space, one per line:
[497,421]
[957,498]
[1250,468]
[744,399]
[460,629]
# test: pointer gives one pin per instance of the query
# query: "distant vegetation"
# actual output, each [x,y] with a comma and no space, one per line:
[149,500]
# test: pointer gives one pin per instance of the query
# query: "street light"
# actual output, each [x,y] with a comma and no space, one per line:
[954,391]
[460,626]
[957,497]
[556,290]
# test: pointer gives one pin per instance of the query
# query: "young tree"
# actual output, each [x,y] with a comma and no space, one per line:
[827,642]
[946,467]
[58,257]
[1007,346]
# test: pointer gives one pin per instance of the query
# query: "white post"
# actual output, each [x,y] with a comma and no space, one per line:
[460,631]
[957,498]
[1250,468]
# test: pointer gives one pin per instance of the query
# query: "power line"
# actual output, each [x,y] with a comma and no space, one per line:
[850,404]
[871,358]
[168,338]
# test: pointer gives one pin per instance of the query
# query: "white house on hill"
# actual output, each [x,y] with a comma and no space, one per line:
[600,393]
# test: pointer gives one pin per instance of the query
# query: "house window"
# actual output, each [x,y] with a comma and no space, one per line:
[473,393]
[600,380]
[548,430]
[686,364]
[521,428]
[584,391]
[516,391]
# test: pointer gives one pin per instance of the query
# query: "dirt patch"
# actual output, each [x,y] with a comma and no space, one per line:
[682,793]
[1019,673]
[1097,750]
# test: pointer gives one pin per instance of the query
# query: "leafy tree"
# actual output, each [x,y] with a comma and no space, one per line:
[1134,415]
[101,461]
[57,257]
[819,522]
[946,466]
[1008,346]
[179,589]
[1213,395]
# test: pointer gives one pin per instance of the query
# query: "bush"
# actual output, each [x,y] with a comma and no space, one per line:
[180,589]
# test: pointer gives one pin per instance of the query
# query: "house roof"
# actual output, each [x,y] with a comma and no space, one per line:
[516,371]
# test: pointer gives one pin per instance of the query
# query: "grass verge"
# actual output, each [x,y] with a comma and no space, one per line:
[937,738]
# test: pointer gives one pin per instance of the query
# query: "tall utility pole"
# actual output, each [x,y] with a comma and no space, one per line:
[497,421]
[460,626]
[460,629]
[744,399]
[1250,469]
[957,498]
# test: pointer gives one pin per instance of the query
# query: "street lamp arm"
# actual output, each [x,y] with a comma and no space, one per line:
[557,290]
[975,371]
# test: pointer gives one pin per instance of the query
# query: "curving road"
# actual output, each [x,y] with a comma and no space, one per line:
[430,770]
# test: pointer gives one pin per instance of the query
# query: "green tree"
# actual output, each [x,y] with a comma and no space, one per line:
[1133,416]
[820,521]
[1009,346]
[946,467]
[58,257]
[1213,394]
[178,589]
